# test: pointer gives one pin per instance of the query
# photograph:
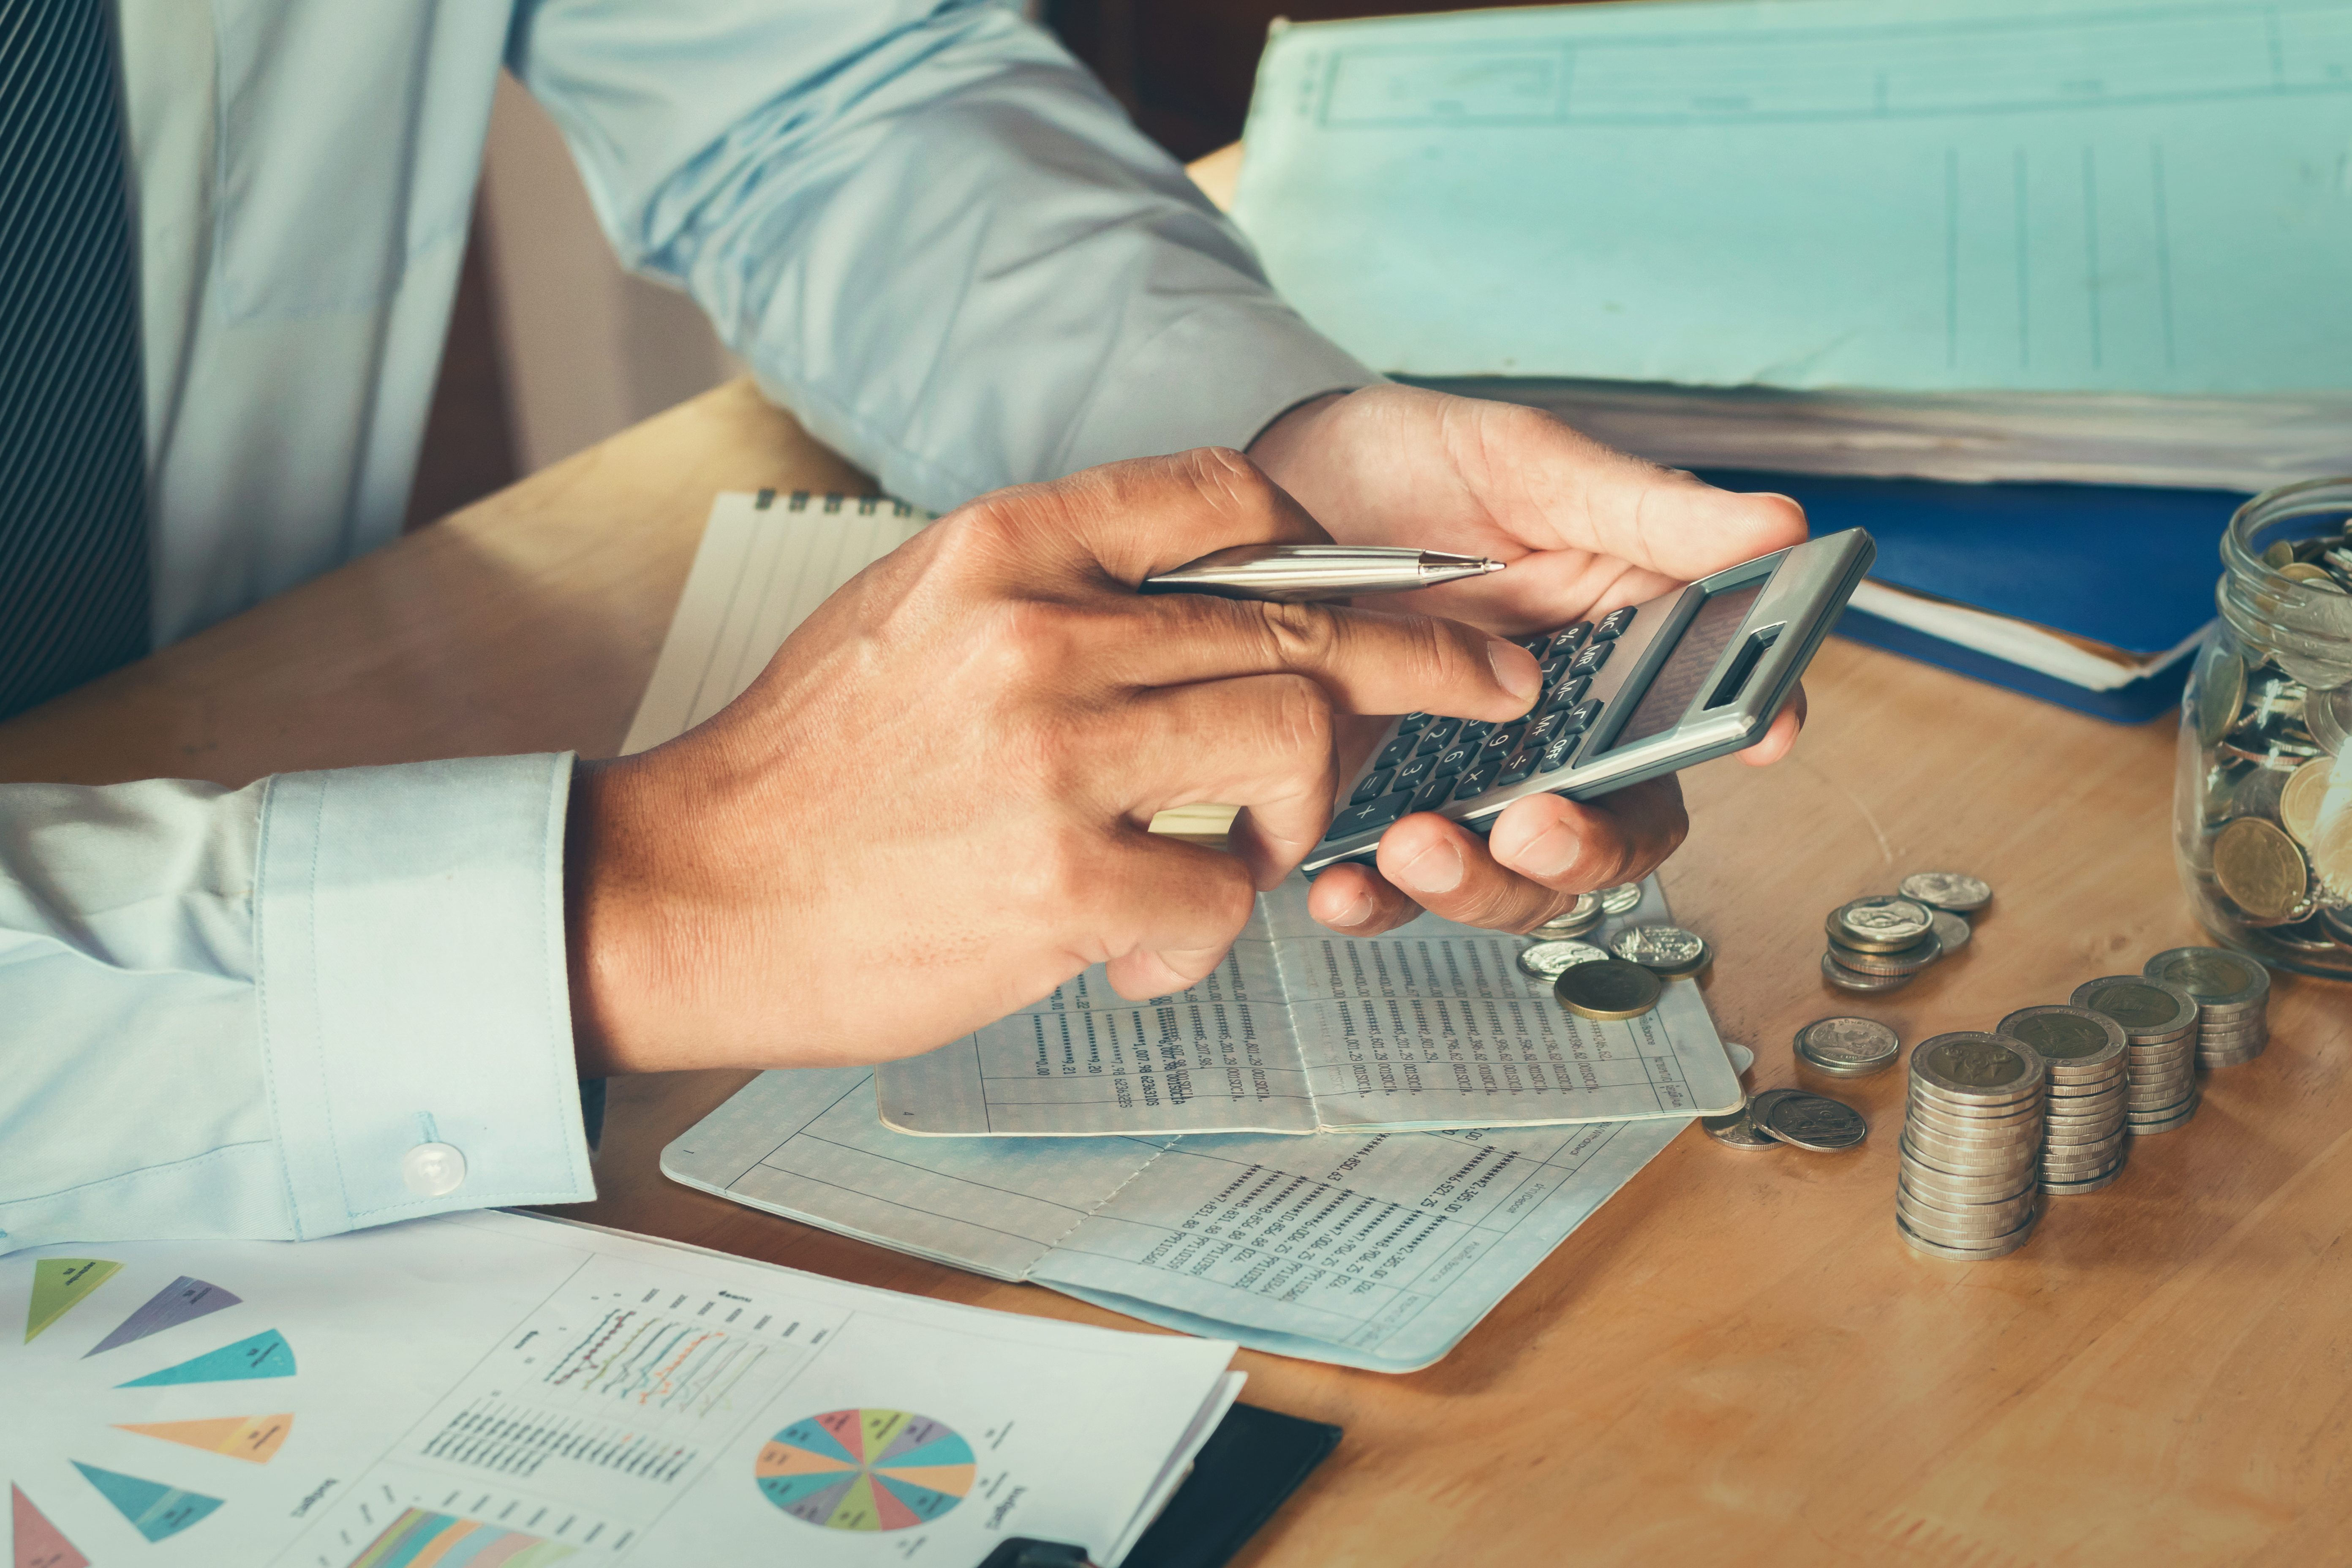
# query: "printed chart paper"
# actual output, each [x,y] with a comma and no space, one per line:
[1299,1030]
[500,1388]
[1370,1249]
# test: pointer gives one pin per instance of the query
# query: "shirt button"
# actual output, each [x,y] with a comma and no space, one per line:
[433,1170]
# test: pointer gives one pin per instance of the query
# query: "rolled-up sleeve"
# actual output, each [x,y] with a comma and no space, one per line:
[325,1001]
[931,233]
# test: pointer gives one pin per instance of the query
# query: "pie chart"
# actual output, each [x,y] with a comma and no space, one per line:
[865,1470]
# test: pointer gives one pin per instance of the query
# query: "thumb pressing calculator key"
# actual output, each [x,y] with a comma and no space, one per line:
[1641,691]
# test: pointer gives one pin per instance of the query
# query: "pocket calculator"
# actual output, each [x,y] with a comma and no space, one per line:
[1641,691]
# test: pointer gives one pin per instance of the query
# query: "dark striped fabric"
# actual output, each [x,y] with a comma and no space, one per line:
[73,507]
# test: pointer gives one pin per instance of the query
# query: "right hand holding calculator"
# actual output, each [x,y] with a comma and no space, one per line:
[1641,691]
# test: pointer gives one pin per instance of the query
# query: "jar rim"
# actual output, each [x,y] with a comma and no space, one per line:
[2275,611]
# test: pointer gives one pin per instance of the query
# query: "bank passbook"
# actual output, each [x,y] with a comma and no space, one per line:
[1641,691]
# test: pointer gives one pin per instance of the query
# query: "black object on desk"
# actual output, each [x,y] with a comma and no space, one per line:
[1247,1469]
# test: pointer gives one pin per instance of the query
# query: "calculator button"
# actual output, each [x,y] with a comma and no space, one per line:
[1545,728]
[1474,733]
[1552,667]
[1522,763]
[1612,624]
[1395,751]
[1372,788]
[1503,743]
[1370,814]
[1413,724]
[1568,694]
[1590,662]
[1435,739]
[1567,639]
[1556,752]
[1581,717]
[1454,759]
[1476,782]
[1412,772]
[1432,795]
[1537,644]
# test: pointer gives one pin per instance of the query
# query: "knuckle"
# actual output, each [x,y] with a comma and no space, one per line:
[1299,636]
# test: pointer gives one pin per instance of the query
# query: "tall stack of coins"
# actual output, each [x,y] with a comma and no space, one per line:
[1879,943]
[2084,1141]
[1971,1147]
[2159,1022]
[2233,999]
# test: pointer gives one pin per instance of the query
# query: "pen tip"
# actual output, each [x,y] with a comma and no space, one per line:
[1490,566]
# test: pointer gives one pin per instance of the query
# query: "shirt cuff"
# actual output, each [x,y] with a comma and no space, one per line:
[1216,377]
[416,1015]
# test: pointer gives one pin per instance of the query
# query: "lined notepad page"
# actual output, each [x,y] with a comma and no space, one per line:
[766,562]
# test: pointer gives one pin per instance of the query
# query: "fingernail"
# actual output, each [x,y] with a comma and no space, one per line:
[1357,913]
[1515,670]
[1549,853]
[1436,870]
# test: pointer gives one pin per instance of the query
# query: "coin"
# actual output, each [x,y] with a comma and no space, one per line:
[1848,1045]
[2299,800]
[2305,572]
[1969,1066]
[2259,869]
[2000,1247]
[2327,715]
[2215,977]
[2220,689]
[1545,959]
[2075,1189]
[1845,979]
[1905,960]
[1608,988]
[1574,921]
[1662,950]
[1952,932]
[1953,891]
[2278,552]
[1621,899]
[1737,1130]
[1880,924]
[1817,1122]
[2068,1037]
[2149,1010]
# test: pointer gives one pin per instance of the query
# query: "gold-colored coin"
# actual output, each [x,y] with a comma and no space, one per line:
[2280,553]
[2261,869]
[2298,807]
[2303,571]
[1608,988]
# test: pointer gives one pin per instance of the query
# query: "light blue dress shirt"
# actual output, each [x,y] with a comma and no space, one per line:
[336,999]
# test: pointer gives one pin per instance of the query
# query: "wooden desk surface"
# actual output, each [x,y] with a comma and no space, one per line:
[1735,1359]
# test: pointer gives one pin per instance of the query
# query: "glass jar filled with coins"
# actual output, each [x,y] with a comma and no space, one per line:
[2263,804]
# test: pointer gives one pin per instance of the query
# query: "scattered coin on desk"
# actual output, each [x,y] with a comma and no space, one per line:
[1546,960]
[1665,950]
[1847,1047]
[1815,1122]
[1878,943]
[1969,1161]
[1608,988]
[1738,1131]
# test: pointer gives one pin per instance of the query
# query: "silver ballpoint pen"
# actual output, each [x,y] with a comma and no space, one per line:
[1303,574]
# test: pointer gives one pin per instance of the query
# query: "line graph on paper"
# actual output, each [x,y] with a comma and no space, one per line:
[648,1363]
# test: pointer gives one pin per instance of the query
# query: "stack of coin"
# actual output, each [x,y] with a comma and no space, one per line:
[2083,1142]
[1847,1047]
[2233,998]
[1971,1149]
[2159,1022]
[1879,943]
[1580,917]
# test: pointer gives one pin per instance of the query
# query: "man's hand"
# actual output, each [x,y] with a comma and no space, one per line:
[932,806]
[1584,530]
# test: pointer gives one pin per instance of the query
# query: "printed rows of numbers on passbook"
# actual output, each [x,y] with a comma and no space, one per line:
[1429,762]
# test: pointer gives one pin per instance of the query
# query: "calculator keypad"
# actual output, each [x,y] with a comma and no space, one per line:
[1430,760]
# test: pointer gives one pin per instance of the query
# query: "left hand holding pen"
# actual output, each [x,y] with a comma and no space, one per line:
[1584,529]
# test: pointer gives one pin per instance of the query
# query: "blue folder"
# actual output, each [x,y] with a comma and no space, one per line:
[2130,567]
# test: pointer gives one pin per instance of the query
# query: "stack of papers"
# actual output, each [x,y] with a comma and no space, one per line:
[491,1388]
[2088,242]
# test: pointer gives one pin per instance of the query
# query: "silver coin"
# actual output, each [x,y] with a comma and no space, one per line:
[2074,1039]
[2216,977]
[2152,1012]
[1905,960]
[1817,1122]
[1621,899]
[1545,959]
[2328,717]
[1848,1045]
[1737,1130]
[1664,950]
[1881,924]
[2075,1189]
[1970,1066]
[1953,891]
[1580,917]
[1760,1104]
[1845,979]
[1952,932]
[2002,1246]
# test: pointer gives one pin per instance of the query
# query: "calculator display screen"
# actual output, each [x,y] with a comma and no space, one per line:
[1677,684]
